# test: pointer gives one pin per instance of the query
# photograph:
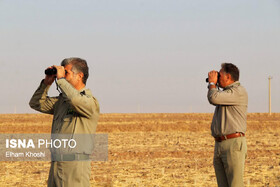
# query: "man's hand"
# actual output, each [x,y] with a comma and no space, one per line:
[213,77]
[60,72]
[49,78]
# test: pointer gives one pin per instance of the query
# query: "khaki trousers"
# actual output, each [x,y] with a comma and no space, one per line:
[229,161]
[69,174]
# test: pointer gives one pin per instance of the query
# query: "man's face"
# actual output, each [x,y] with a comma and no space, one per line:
[224,79]
[70,76]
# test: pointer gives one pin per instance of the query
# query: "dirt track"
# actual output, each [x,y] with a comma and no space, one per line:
[154,150]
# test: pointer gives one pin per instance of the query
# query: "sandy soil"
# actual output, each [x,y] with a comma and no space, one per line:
[154,150]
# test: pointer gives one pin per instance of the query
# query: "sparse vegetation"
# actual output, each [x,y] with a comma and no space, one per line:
[154,150]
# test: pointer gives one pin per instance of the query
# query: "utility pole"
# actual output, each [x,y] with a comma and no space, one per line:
[269,80]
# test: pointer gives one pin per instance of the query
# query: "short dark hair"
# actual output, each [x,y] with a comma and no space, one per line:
[78,65]
[232,70]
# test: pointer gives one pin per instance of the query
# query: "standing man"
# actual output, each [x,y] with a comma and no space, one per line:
[75,111]
[228,125]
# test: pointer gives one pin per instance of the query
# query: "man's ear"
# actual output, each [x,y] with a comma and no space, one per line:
[81,75]
[229,76]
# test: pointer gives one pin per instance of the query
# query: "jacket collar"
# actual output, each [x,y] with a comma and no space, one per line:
[83,91]
[236,83]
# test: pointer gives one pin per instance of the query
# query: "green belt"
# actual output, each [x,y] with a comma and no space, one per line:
[69,157]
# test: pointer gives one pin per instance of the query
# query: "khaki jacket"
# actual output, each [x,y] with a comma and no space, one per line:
[74,112]
[231,109]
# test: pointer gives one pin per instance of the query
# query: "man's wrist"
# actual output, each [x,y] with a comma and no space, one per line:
[211,85]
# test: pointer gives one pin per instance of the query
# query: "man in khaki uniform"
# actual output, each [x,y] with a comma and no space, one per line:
[228,125]
[75,111]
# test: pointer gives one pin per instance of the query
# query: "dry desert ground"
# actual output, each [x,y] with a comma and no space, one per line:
[154,150]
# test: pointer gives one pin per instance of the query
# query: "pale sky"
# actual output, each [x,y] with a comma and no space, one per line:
[144,55]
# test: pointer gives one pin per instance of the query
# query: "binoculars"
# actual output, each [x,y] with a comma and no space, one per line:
[52,71]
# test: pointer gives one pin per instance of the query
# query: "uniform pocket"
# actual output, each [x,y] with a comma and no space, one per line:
[237,145]
[67,124]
